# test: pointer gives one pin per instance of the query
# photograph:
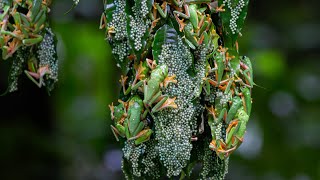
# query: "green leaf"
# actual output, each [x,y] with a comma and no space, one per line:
[231,32]
[5,10]
[8,2]
[164,35]
[35,9]
[193,15]
[109,8]
[149,3]
[234,62]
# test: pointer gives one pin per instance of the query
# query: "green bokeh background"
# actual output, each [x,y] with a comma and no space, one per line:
[67,135]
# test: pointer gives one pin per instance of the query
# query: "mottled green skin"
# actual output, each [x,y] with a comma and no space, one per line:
[153,84]
[243,120]
[193,15]
[5,9]
[239,130]
[133,127]
[249,78]
[246,61]
[247,99]
[133,123]
[236,104]
[119,111]
[220,62]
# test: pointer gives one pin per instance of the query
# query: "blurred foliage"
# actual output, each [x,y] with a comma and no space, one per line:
[67,136]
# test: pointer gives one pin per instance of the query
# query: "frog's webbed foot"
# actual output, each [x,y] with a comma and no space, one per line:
[165,102]
[139,74]
[219,8]
[167,80]
[142,136]
[151,63]
[181,23]
[111,107]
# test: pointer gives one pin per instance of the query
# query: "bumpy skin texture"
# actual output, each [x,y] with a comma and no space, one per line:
[198,106]
[27,40]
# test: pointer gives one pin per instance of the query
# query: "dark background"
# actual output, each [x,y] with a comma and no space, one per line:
[67,136]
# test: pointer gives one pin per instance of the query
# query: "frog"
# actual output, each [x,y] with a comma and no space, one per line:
[129,121]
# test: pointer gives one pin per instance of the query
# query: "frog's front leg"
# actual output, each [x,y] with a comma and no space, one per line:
[219,9]
[215,8]
[219,64]
[191,34]
[232,128]
[223,151]
[246,98]
[103,21]
[178,2]
[236,129]
[111,107]
[236,105]
[181,23]
[140,74]
[213,145]
[220,148]
[123,81]
[8,51]
[241,82]
[243,120]
[217,120]
[153,14]
[248,78]
[185,15]
[163,9]
[151,63]
[216,84]
[32,41]
[111,31]
[227,87]
[233,141]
